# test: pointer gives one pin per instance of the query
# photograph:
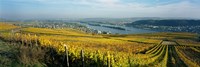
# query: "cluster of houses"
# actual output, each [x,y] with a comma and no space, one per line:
[101,32]
[64,25]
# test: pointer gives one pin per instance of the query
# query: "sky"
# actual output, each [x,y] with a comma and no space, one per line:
[99,8]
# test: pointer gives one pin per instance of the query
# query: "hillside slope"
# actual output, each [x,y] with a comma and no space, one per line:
[166,22]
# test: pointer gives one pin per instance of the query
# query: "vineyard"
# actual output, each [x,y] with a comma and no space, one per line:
[71,48]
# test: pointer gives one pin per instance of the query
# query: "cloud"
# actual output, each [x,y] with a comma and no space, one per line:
[118,9]
[113,8]
[181,9]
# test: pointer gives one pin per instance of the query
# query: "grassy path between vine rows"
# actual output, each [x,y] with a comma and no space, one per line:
[173,59]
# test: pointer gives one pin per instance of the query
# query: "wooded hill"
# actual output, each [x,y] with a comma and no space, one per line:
[166,22]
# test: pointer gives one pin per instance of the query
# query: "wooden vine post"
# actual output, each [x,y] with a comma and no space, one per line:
[108,59]
[22,40]
[12,37]
[98,60]
[82,57]
[36,40]
[67,55]
[129,61]
[51,54]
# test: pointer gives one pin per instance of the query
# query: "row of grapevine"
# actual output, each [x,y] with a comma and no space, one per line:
[25,39]
[153,49]
[164,62]
[93,58]
[150,59]
[184,57]
[195,49]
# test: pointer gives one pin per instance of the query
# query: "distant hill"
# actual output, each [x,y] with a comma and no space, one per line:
[166,22]
[1,19]
[7,20]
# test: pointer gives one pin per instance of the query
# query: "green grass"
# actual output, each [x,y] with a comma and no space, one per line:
[7,55]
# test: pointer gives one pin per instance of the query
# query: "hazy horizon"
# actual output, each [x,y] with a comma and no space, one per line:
[44,9]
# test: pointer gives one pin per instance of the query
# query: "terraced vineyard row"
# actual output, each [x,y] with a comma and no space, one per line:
[175,56]
[161,55]
[104,51]
[190,56]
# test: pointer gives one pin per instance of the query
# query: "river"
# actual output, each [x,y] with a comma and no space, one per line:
[129,30]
